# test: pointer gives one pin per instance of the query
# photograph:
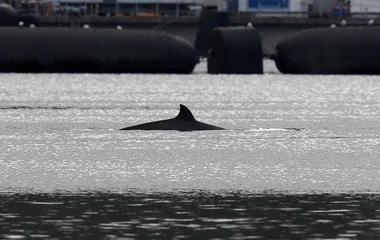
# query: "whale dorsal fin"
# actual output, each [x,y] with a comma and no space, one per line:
[185,114]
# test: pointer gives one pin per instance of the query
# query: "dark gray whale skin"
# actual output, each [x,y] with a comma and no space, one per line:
[184,121]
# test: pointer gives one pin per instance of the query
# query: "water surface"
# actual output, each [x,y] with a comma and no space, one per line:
[306,144]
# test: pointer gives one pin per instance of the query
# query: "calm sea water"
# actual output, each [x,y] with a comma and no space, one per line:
[299,159]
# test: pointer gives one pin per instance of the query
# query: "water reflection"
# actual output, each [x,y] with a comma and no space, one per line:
[197,215]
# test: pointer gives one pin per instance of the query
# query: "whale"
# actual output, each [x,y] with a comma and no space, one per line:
[184,121]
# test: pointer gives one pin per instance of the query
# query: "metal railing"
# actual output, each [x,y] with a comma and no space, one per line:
[177,9]
[109,9]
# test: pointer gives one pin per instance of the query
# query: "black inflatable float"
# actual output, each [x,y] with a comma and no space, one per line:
[235,50]
[8,16]
[78,50]
[208,20]
[346,50]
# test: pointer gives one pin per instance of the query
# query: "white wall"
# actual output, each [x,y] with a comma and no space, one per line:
[363,6]
[298,5]
[243,4]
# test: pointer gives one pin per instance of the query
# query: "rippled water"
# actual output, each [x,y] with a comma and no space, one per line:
[195,215]
[293,142]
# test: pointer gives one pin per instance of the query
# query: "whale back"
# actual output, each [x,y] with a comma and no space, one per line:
[184,121]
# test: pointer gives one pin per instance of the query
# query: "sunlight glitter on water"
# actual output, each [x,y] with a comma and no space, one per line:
[286,133]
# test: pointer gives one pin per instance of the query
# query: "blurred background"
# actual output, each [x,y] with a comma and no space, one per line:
[191,8]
